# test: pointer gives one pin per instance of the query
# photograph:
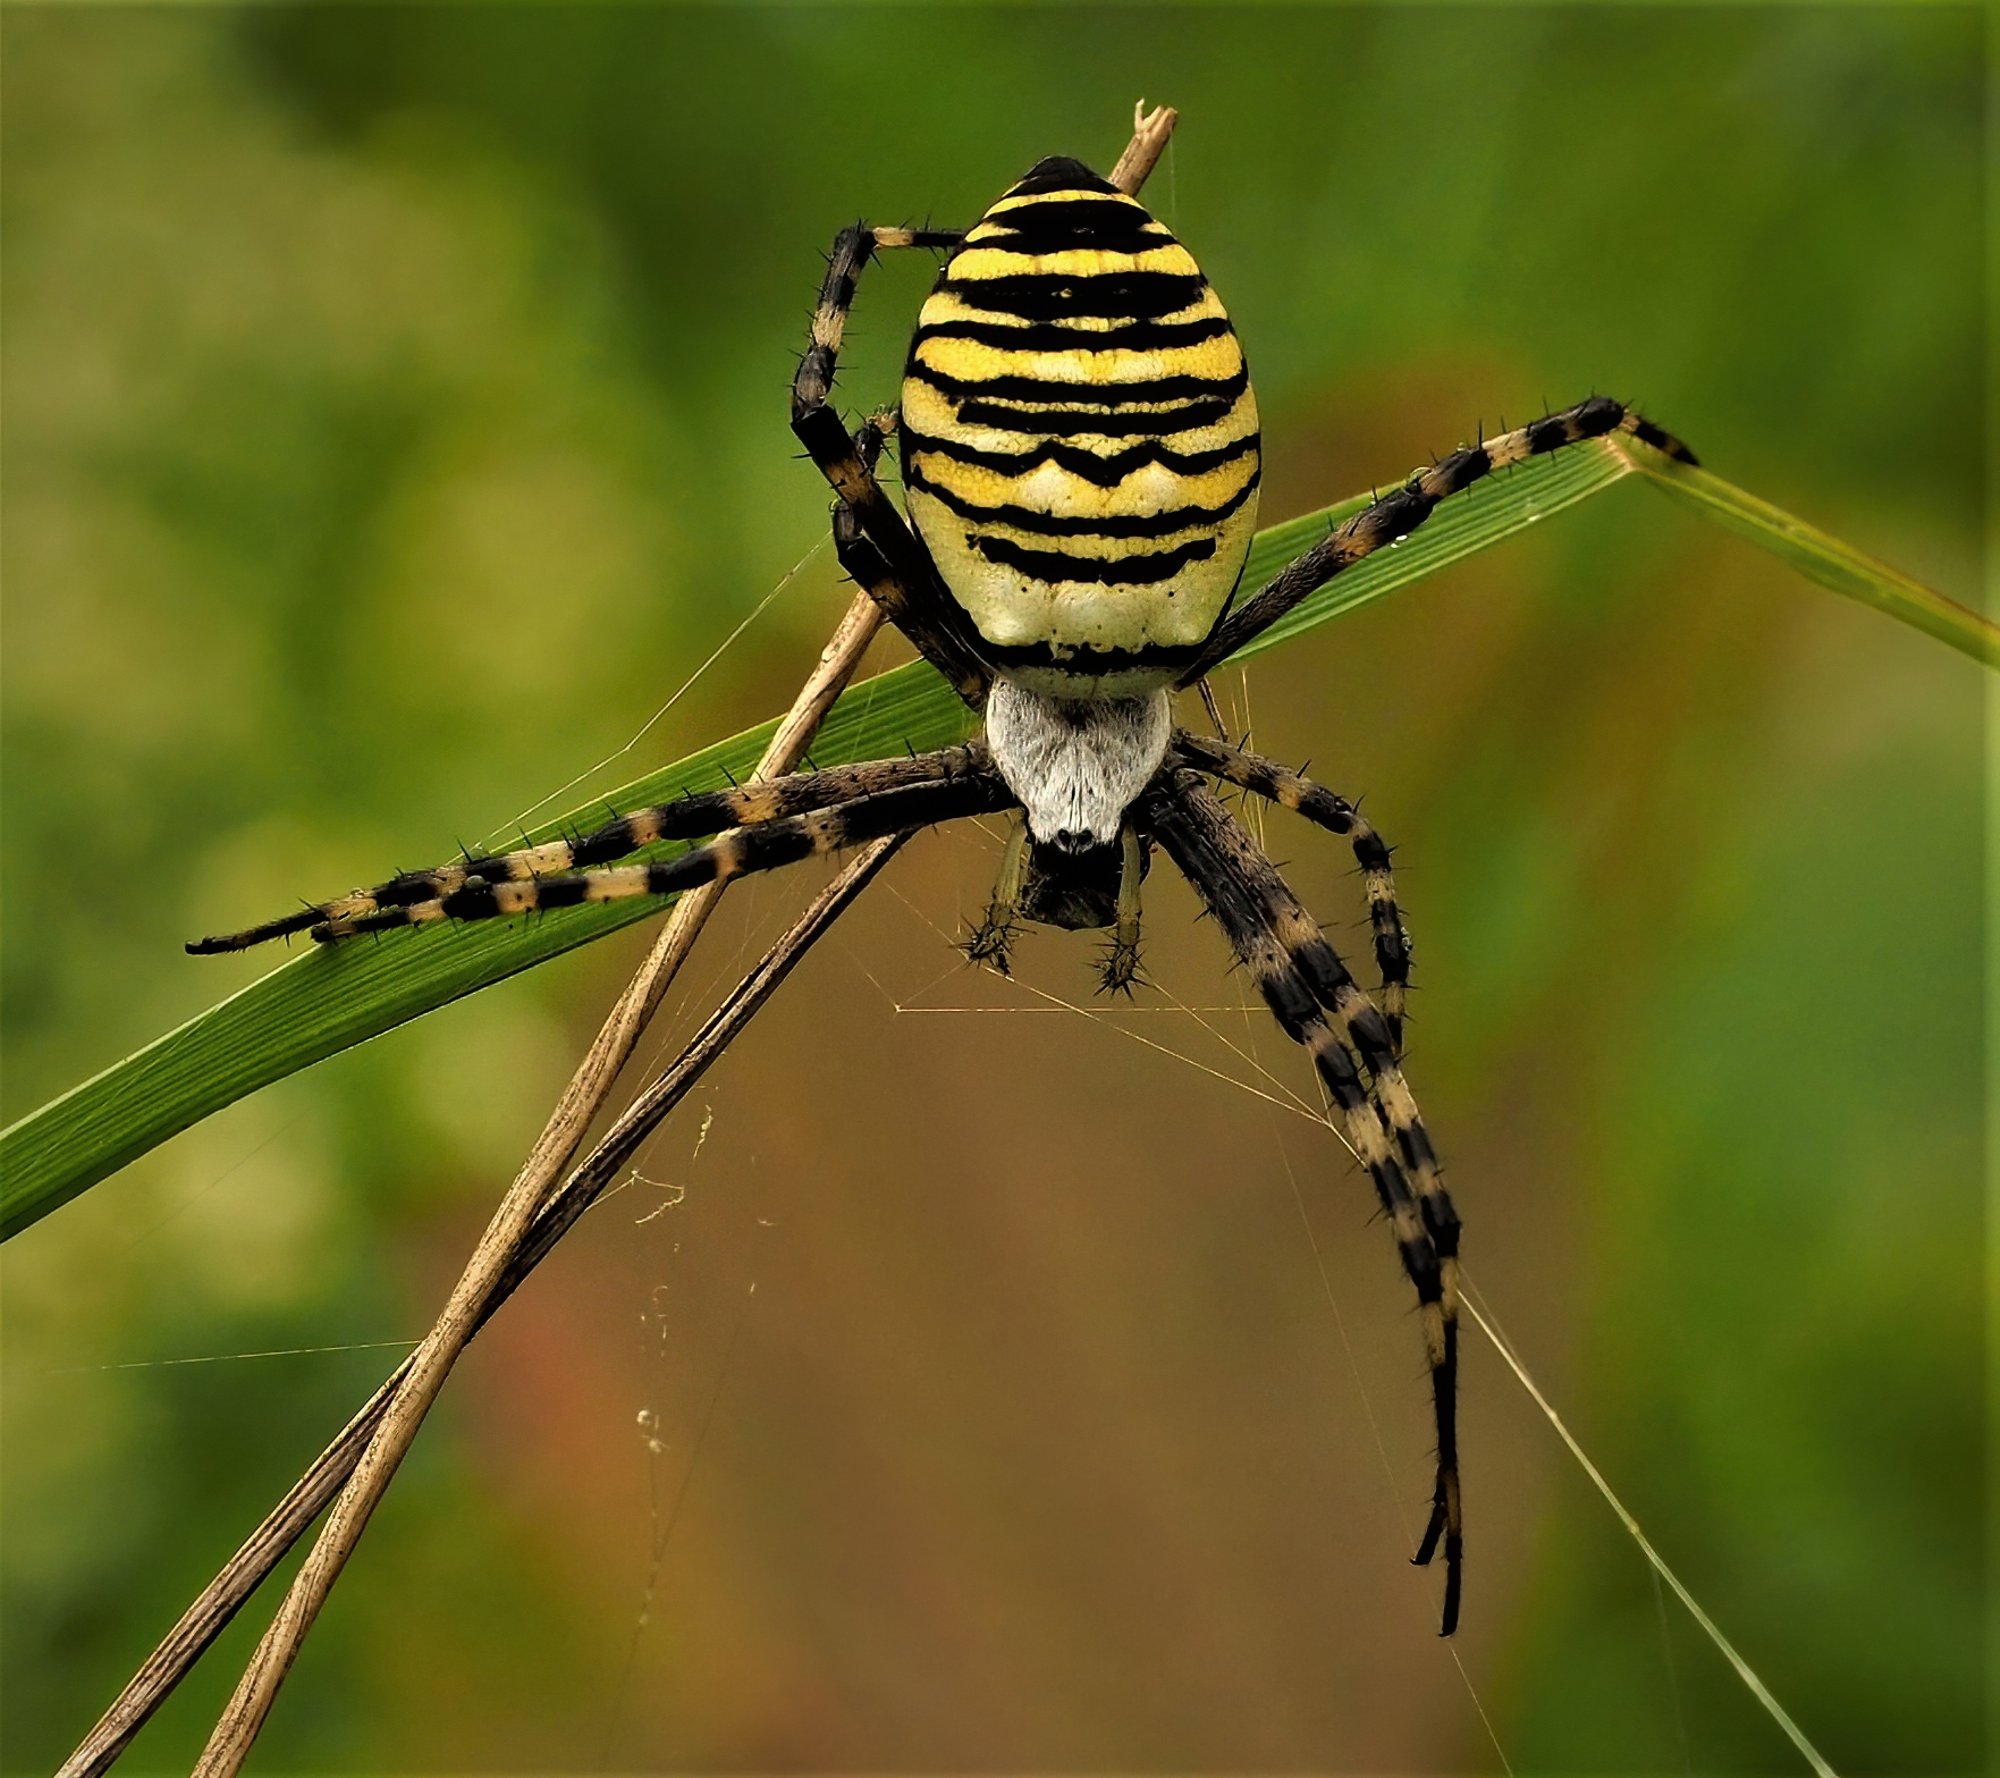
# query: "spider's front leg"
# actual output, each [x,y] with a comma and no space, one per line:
[1318,1006]
[875,542]
[689,817]
[1396,515]
[767,845]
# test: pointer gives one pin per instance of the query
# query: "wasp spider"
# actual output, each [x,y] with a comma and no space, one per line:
[1080,458]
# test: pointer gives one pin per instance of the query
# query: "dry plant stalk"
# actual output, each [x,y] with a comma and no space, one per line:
[489,1274]
[1150,133]
[425,1371]
[265,1548]
[368,1450]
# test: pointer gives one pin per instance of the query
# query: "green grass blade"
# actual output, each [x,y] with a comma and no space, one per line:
[325,1000]
[1826,559]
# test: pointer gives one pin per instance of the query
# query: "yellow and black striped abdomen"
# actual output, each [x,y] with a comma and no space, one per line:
[1079,438]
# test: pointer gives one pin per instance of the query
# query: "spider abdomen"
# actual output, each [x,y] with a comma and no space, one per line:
[1079,439]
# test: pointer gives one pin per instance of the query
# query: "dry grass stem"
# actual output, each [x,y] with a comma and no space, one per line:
[1151,131]
[266,1547]
[425,1371]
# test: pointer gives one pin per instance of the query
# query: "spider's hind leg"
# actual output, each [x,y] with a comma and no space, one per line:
[1291,790]
[1318,1006]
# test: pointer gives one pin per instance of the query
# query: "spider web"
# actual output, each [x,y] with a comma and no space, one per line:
[501,835]
[1254,1080]
[1278,1096]
[1240,1069]
[1249,1076]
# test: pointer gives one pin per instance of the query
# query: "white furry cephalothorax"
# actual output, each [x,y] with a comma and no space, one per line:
[1077,764]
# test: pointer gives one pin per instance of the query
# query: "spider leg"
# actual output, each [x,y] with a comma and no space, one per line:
[1318,1006]
[941,644]
[690,817]
[818,427]
[1121,961]
[740,852]
[992,940]
[1210,708]
[1290,790]
[1398,513]
[899,566]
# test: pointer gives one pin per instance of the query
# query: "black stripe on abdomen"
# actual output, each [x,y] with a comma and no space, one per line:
[1117,229]
[1054,524]
[1059,172]
[1087,663]
[1043,296]
[1053,567]
[1105,471]
[1070,422]
[1050,336]
[1152,391]
[1083,215]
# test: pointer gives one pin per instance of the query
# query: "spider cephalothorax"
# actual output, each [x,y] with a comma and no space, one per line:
[1080,454]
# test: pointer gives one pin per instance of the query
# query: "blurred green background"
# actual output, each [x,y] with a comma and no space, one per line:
[959,1390]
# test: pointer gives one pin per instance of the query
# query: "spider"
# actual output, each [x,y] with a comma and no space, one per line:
[1080,459]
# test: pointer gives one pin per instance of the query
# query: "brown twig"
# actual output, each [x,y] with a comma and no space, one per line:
[425,1371]
[370,1429]
[363,1459]
[1150,131]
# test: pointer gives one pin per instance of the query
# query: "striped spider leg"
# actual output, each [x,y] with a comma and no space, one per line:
[1395,515]
[1318,1006]
[768,824]
[1275,783]
[899,565]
